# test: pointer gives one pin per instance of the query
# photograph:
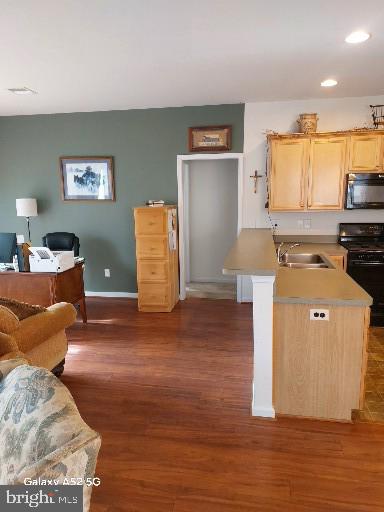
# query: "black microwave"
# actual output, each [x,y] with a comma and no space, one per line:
[364,190]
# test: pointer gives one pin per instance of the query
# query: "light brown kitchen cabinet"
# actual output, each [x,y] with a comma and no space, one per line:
[338,260]
[288,171]
[326,173]
[306,172]
[366,153]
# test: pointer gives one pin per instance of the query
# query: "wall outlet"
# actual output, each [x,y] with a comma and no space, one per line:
[319,314]
[307,224]
[300,223]
[107,272]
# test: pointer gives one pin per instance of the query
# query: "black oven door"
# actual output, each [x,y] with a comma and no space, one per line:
[365,191]
[370,276]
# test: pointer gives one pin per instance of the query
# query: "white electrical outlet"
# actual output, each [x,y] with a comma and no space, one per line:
[307,224]
[300,223]
[319,314]
[107,272]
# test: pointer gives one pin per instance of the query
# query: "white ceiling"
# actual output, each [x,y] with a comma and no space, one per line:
[85,55]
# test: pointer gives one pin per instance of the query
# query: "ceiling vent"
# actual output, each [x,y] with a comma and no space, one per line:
[22,90]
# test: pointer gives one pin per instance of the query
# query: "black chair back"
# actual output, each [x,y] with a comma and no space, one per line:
[62,241]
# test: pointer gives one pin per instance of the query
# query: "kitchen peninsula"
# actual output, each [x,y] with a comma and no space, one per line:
[310,332]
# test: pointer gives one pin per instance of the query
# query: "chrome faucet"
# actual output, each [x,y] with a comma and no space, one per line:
[281,254]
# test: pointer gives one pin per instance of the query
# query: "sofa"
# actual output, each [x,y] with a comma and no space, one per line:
[42,435]
[35,334]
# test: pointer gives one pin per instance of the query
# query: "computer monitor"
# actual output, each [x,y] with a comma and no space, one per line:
[8,246]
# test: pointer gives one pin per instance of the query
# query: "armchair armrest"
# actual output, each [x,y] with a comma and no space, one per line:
[7,344]
[37,328]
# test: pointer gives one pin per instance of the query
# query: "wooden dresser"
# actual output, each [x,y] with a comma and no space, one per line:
[157,258]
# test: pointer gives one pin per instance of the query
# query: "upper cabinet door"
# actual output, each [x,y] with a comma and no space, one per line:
[326,177]
[288,166]
[366,153]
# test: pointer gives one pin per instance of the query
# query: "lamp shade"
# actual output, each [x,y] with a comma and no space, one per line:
[26,207]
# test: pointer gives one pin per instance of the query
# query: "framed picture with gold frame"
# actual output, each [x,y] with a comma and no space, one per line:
[87,178]
[210,138]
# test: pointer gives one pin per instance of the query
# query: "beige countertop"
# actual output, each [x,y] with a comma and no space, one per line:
[254,254]
[319,286]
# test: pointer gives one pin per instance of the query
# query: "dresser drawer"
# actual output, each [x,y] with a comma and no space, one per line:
[152,294]
[151,247]
[151,222]
[152,270]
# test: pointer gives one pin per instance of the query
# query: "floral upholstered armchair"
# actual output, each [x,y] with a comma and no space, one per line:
[41,431]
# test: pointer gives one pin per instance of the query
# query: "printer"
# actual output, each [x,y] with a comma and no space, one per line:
[43,259]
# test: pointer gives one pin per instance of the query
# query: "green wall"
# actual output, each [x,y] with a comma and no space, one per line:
[144,144]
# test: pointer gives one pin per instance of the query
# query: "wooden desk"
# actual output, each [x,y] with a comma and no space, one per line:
[46,288]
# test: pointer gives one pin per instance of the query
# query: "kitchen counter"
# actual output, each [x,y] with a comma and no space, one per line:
[254,254]
[319,286]
[305,364]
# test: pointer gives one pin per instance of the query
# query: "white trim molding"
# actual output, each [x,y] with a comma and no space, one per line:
[262,402]
[182,183]
[127,295]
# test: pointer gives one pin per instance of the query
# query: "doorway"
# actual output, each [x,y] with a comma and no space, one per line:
[209,201]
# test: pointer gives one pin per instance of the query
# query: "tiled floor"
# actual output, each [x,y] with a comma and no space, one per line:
[212,290]
[374,384]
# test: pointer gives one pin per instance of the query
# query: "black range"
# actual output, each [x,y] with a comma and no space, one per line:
[365,245]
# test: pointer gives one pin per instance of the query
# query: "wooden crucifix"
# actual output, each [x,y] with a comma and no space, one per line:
[255,177]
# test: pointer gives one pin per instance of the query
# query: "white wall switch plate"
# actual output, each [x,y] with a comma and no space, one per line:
[107,272]
[300,223]
[319,314]
[307,224]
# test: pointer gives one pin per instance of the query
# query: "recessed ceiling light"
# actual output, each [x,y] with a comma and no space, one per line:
[357,37]
[22,90]
[330,82]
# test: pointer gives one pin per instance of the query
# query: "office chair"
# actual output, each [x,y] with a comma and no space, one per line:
[62,241]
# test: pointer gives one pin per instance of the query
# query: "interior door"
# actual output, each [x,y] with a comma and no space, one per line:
[326,177]
[366,153]
[288,168]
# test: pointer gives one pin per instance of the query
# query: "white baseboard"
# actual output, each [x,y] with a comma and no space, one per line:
[127,295]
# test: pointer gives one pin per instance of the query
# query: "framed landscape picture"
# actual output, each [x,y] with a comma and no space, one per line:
[87,178]
[210,138]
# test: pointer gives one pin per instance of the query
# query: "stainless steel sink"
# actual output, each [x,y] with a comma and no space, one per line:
[303,261]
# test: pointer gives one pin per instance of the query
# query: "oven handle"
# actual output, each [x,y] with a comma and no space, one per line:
[366,263]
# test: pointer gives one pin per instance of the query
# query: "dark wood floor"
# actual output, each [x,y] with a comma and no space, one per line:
[170,395]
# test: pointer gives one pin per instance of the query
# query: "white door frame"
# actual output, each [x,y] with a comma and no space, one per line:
[182,188]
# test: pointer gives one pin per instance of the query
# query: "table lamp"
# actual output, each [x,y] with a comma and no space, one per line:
[26,207]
